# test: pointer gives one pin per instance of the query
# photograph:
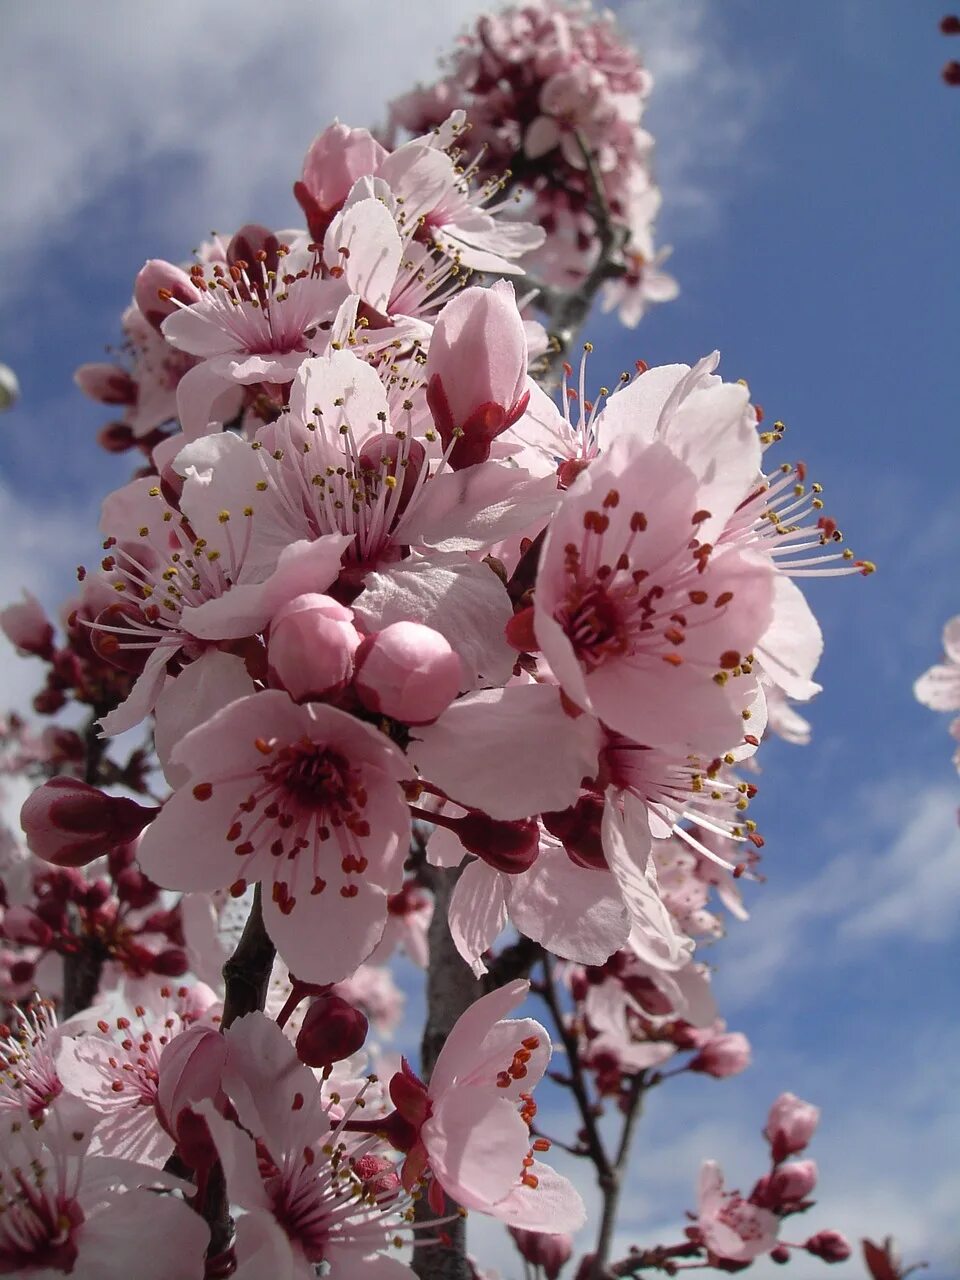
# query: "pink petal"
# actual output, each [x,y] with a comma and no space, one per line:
[480,751]
[476,1143]
[574,912]
[201,690]
[477,913]
[246,609]
[131,1235]
[456,1056]
[553,1206]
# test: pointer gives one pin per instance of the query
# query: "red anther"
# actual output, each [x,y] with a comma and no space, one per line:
[641,366]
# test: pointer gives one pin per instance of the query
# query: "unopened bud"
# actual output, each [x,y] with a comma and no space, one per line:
[26,625]
[312,646]
[69,823]
[106,383]
[332,1030]
[724,1055]
[476,371]
[787,1185]
[790,1125]
[829,1246]
[550,1252]
[407,671]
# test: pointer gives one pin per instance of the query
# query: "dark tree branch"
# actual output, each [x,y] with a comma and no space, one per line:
[247,973]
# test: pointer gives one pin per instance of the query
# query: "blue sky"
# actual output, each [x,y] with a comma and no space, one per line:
[808,156]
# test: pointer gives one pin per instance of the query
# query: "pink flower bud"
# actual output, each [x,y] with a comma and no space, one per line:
[723,1055]
[790,1125]
[787,1185]
[476,371]
[312,646]
[332,1030]
[247,246]
[829,1246]
[158,288]
[106,383]
[26,626]
[407,671]
[547,1251]
[69,823]
[334,161]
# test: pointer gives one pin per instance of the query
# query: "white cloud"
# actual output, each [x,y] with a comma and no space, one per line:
[901,879]
[705,103]
[219,99]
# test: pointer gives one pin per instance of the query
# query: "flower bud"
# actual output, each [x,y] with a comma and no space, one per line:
[723,1055]
[247,245]
[476,371]
[334,161]
[407,671]
[550,1252]
[508,847]
[27,626]
[829,1246]
[159,287]
[332,1030]
[787,1185]
[312,646]
[171,963]
[69,823]
[790,1125]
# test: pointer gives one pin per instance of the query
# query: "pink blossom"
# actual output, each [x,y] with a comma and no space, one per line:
[939,688]
[324,1211]
[114,1068]
[469,1128]
[250,323]
[65,1211]
[731,1228]
[28,1050]
[644,623]
[267,778]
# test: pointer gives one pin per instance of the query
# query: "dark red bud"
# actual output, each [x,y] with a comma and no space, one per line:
[171,963]
[69,823]
[510,847]
[829,1246]
[332,1030]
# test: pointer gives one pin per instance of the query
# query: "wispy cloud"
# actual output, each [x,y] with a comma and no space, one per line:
[210,105]
[705,103]
[897,876]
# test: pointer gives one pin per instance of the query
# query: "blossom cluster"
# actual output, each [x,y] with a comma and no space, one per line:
[420,657]
[554,98]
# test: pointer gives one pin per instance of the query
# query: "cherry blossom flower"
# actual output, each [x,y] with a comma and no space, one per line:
[469,1129]
[64,1211]
[731,1228]
[642,619]
[304,798]
[114,1068]
[292,1167]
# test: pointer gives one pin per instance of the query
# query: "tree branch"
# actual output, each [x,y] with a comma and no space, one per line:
[247,973]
